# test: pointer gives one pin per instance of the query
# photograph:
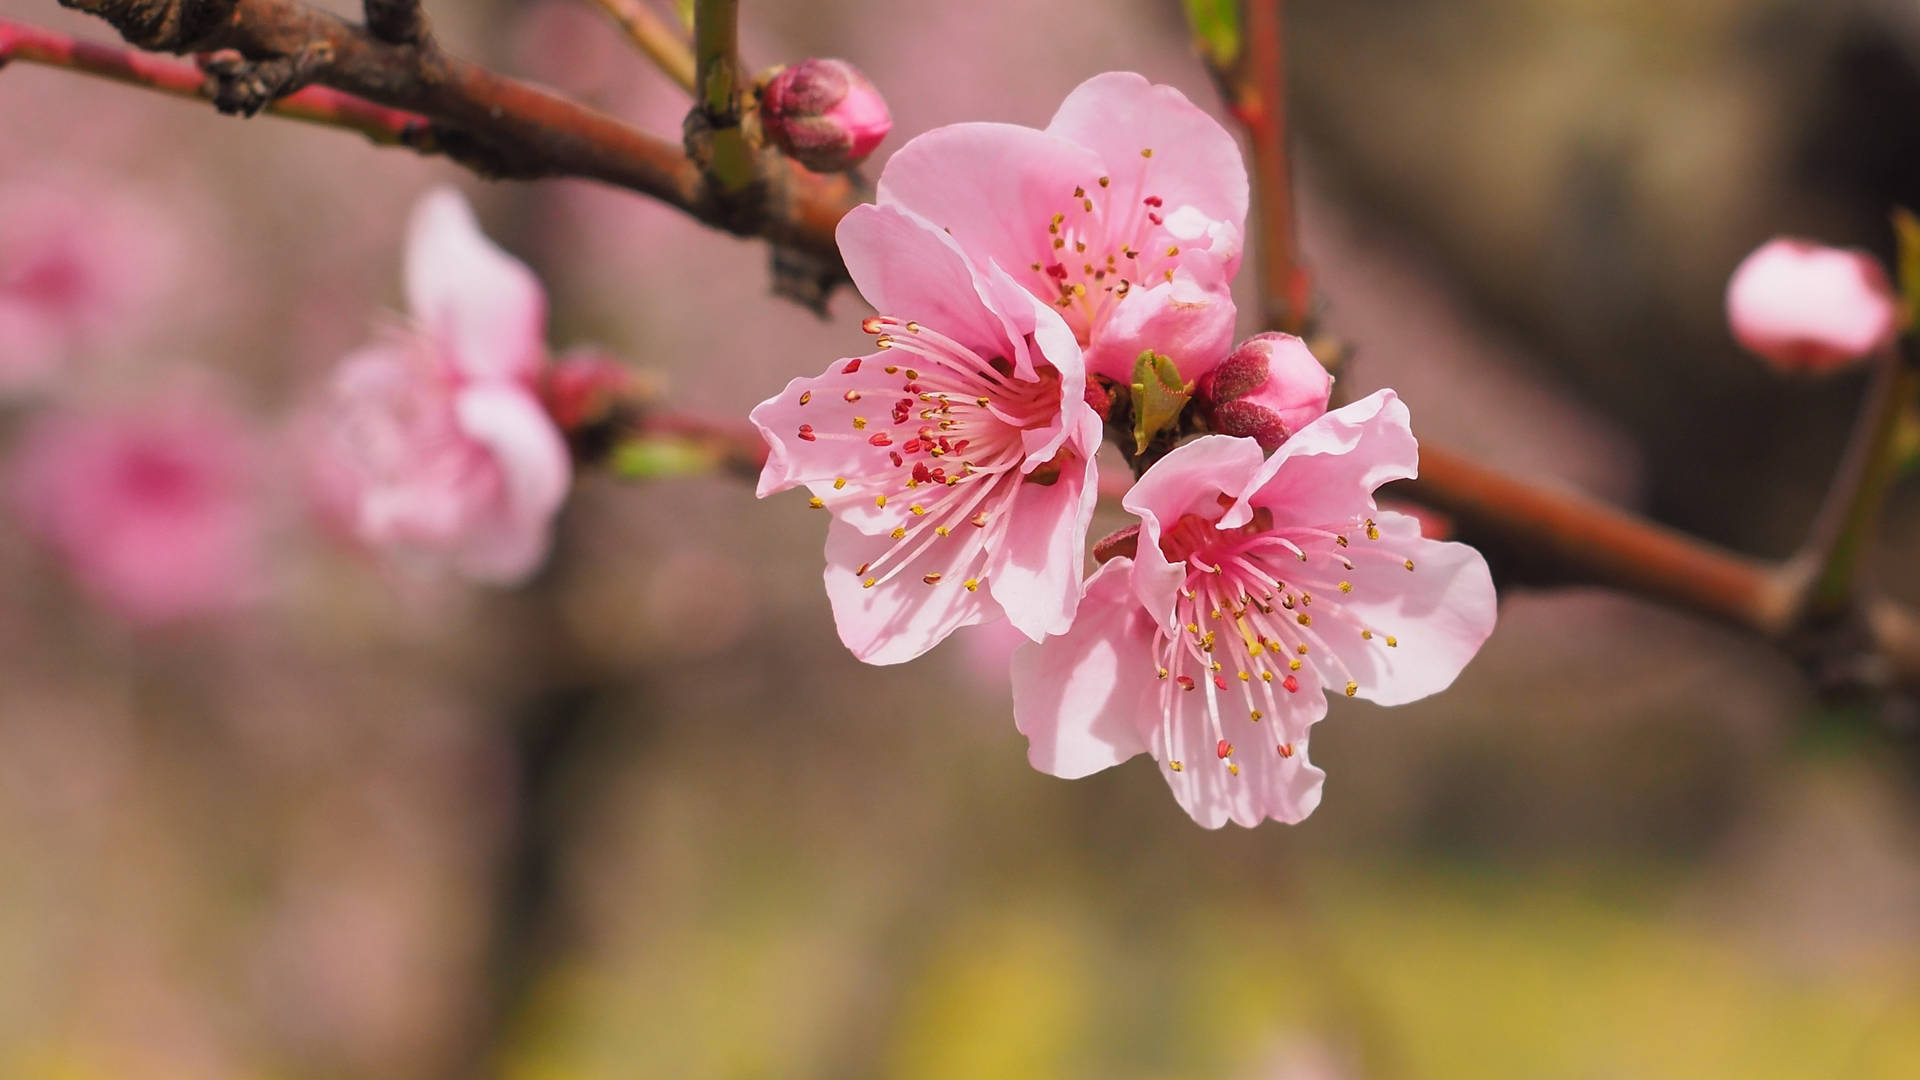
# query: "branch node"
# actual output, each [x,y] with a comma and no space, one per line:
[398,22]
[239,86]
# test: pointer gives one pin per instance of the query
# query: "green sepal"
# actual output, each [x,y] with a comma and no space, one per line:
[657,459]
[1158,397]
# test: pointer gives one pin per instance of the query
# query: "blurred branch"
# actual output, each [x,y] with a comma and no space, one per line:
[1244,48]
[493,124]
[402,22]
[318,105]
[663,42]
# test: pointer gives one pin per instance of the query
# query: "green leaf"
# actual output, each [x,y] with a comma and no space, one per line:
[1906,231]
[656,459]
[1158,397]
[1216,28]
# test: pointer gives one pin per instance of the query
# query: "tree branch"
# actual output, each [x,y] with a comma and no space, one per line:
[714,136]
[317,105]
[495,125]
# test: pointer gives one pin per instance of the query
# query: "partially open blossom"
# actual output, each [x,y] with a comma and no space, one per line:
[154,512]
[1125,214]
[956,459]
[1810,308]
[80,267]
[1257,587]
[824,114]
[1266,389]
[433,441]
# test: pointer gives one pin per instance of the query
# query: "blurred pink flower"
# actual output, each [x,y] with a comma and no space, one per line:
[824,114]
[155,513]
[957,460]
[1266,389]
[1125,214]
[1809,308]
[81,266]
[434,441]
[1257,586]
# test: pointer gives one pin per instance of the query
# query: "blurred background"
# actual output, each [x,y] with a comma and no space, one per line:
[645,817]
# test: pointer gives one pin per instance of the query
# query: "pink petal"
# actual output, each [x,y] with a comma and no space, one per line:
[1809,308]
[993,186]
[1182,319]
[1085,700]
[1195,161]
[535,472]
[805,443]
[1037,567]
[1439,614]
[482,305]
[1190,480]
[901,618]
[1327,472]
[1269,786]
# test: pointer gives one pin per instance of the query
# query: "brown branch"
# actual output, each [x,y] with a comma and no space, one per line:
[494,124]
[317,105]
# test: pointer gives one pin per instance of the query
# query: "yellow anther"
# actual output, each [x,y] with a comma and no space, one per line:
[1346,586]
[816,502]
[899,532]
[973,584]
[1409,564]
[859,423]
[1303,619]
[879,500]
[940,530]
[918,511]
[931,579]
[806,396]
[1392,642]
[1294,664]
[1266,676]
[1255,716]
[839,482]
[1175,766]
[869,583]
[1353,688]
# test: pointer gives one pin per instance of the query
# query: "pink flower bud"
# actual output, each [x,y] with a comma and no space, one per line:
[1808,308]
[824,114]
[1265,390]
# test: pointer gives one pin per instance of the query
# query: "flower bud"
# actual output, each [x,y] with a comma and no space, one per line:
[1266,389]
[824,114]
[1808,308]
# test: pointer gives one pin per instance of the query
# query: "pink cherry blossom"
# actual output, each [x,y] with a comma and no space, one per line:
[1125,214]
[1257,587]
[957,459]
[154,512]
[81,266]
[1810,308]
[433,441]
[1266,389]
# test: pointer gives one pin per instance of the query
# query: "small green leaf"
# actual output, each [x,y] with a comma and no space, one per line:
[1906,231]
[656,459]
[1158,397]
[1216,27]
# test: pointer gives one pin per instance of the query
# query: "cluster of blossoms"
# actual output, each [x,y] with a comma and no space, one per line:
[1023,278]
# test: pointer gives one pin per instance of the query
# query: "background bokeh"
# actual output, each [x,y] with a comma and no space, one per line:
[645,818]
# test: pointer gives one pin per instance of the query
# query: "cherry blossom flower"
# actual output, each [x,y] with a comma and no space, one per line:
[1809,308]
[1125,214]
[81,266]
[1257,588]
[433,441]
[154,512]
[956,459]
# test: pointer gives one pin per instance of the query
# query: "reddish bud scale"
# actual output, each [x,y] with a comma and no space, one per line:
[824,114]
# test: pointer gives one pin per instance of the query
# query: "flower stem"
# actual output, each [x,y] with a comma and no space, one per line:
[717,86]
[663,42]
[1831,557]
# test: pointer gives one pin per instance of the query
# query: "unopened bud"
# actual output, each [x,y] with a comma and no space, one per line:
[1808,308]
[824,114]
[584,387]
[1266,389]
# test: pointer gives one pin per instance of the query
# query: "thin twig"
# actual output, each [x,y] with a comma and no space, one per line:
[717,141]
[663,42]
[1831,558]
[315,104]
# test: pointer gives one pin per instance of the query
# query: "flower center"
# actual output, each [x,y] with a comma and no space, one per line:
[944,439]
[1101,244]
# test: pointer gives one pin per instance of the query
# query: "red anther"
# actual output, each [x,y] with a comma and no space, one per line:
[872,324]
[912,388]
[961,445]
[882,439]
[921,473]
[1224,750]
[1286,749]
[1156,219]
[1152,200]
[1292,684]
[1219,682]
[911,446]
[897,459]
[806,432]
[1185,681]
[1057,271]
[853,365]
